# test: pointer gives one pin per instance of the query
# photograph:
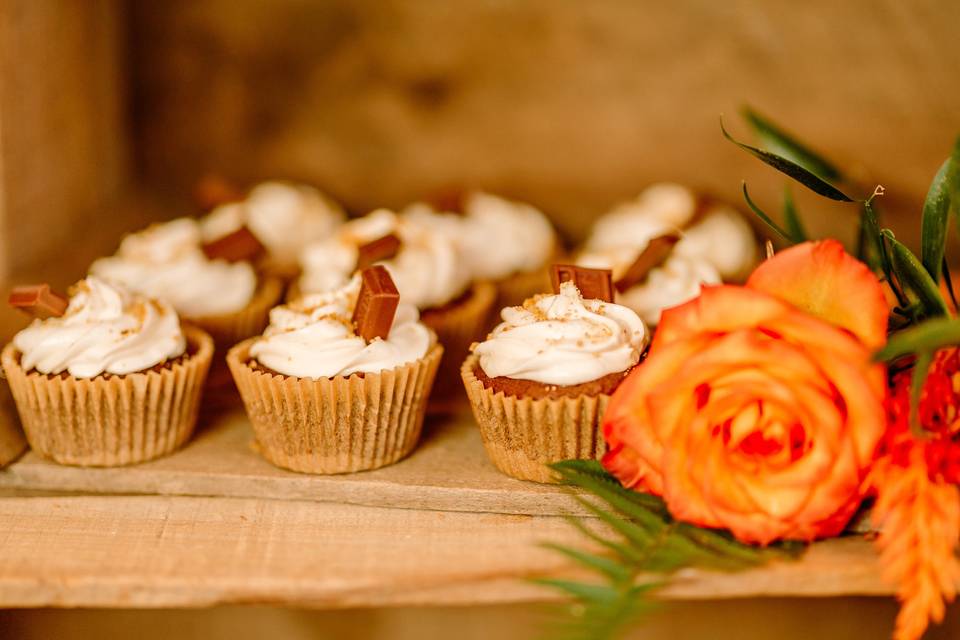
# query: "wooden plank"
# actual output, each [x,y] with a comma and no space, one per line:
[64,155]
[184,552]
[449,471]
[12,441]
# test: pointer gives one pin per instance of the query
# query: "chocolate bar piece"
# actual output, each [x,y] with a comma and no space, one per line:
[448,200]
[652,256]
[594,284]
[38,301]
[213,190]
[376,250]
[376,305]
[234,247]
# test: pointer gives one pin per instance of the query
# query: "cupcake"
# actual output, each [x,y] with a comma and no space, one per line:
[229,300]
[672,282]
[284,216]
[540,383]
[115,380]
[708,243]
[339,381]
[508,243]
[428,272]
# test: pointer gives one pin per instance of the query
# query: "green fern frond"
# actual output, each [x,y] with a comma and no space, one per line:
[640,539]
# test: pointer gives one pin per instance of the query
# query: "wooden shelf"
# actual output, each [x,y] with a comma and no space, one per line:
[449,471]
[216,524]
[137,551]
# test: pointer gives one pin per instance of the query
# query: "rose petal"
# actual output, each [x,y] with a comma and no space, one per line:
[825,281]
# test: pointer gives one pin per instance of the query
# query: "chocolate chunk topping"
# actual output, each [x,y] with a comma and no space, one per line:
[213,190]
[376,305]
[376,250]
[448,200]
[594,284]
[652,256]
[234,247]
[38,301]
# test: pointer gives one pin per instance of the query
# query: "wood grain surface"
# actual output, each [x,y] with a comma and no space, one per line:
[176,551]
[449,471]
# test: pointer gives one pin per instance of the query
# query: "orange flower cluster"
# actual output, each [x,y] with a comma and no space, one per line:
[758,408]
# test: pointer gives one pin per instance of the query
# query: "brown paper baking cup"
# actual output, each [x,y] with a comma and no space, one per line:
[523,435]
[111,420]
[230,328]
[458,326]
[514,290]
[335,425]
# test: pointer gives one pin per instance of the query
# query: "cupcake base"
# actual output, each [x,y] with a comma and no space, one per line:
[522,435]
[335,425]
[229,329]
[111,421]
[458,326]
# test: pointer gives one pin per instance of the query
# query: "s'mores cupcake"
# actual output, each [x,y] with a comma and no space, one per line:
[283,216]
[339,381]
[508,243]
[428,271]
[107,378]
[539,384]
[223,295]
[666,244]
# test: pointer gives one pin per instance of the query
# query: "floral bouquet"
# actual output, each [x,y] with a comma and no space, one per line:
[765,416]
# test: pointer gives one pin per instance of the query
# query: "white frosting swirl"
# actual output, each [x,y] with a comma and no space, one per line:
[496,237]
[314,337]
[725,239]
[104,330]
[659,209]
[674,282]
[722,237]
[166,261]
[563,339]
[427,269]
[284,216]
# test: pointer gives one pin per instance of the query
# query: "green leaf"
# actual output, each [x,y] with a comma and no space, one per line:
[778,141]
[791,218]
[767,219]
[792,169]
[615,571]
[911,274]
[927,336]
[948,283]
[625,553]
[639,535]
[933,225]
[870,227]
[582,590]
[919,376]
[592,477]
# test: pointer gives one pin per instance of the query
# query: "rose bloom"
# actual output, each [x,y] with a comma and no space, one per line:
[758,408]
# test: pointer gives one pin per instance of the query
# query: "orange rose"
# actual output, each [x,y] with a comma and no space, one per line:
[758,408]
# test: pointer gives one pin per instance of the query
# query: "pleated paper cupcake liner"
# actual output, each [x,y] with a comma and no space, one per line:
[523,435]
[110,421]
[513,290]
[230,328]
[458,327]
[335,425]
